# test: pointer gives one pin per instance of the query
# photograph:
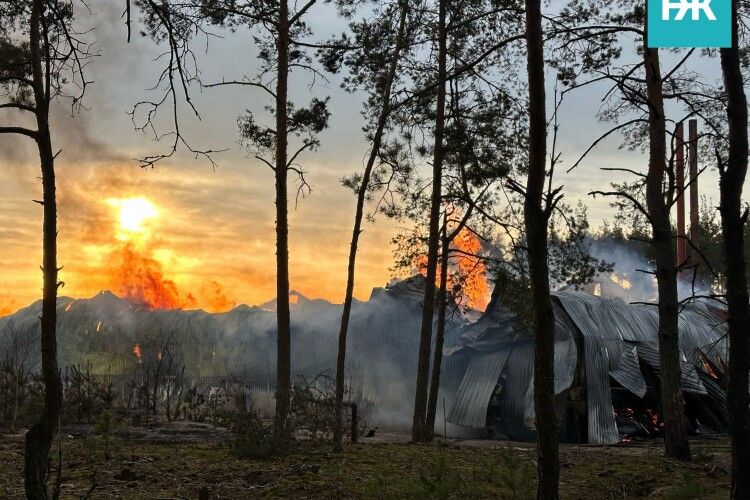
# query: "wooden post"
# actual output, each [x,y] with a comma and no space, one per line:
[680,181]
[694,205]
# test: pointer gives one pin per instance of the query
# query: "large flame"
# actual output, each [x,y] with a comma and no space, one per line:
[467,275]
[137,265]
[140,279]
[471,270]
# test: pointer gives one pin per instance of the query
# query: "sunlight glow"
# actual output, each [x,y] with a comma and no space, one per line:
[133,215]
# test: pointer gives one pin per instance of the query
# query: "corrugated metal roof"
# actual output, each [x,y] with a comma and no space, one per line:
[615,334]
[690,380]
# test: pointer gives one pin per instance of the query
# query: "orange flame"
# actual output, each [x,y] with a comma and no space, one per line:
[137,351]
[137,274]
[707,366]
[140,279]
[467,275]
[710,371]
[471,270]
[215,298]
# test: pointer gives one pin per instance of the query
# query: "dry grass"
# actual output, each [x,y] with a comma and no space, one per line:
[370,470]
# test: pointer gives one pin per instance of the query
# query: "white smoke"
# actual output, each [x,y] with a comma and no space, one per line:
[633,273]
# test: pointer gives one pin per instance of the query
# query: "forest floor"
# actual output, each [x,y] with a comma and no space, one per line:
[179,462]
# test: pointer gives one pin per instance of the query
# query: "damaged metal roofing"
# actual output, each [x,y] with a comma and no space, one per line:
[615,336]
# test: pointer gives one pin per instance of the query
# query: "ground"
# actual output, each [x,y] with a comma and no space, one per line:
[178,462]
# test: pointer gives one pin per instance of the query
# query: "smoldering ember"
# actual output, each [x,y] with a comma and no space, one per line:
[374,249]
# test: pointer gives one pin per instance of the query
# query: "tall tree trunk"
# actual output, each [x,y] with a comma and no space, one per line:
[283,326]
[419,428]
[663,240]
[536,220]
[437,357]
[40,435]
[733,226]
[357,230]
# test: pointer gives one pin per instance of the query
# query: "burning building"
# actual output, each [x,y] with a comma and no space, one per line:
[606,371]
[606,357]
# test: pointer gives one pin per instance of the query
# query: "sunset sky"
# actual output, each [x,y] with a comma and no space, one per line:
[211,230]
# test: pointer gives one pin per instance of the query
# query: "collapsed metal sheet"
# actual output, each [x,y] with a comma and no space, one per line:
[609,324]
[518,384]
[565,363]
[705,332]
[565,366]
[566,354]
[602,428]
[469,408]
[689,377]
[491,332]
[584,312]
[605,318]
[716,395]
[628,372]
[614,334]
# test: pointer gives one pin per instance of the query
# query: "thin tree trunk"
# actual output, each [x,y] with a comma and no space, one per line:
[283,340]
[672,401]
[733,226]
[16,394]
[357,230]
[40,435]
[419,430]
[536,219]
[437,357]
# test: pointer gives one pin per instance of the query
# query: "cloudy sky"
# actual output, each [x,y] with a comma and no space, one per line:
[210,230]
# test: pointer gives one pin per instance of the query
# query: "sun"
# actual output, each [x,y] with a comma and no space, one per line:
[133,215]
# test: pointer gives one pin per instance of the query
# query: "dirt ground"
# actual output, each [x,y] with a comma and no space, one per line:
[179,461]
